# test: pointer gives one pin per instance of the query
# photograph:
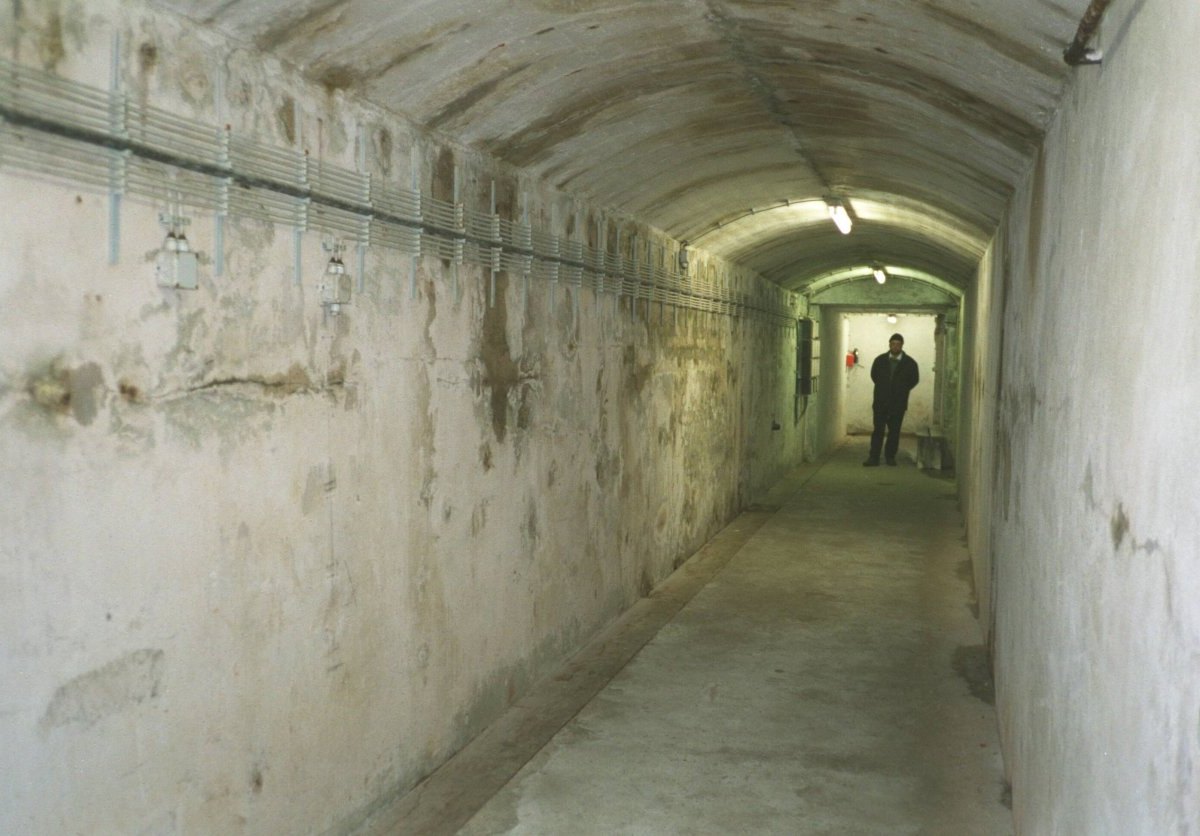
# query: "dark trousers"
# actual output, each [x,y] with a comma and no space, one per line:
[890,421]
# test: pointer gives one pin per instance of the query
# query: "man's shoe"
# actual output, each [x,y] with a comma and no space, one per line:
[891,462]
[871,463]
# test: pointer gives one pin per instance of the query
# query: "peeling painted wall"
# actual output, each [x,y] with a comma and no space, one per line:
[262,568]
[1093,505]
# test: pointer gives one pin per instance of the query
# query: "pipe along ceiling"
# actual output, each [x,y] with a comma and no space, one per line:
[729,124]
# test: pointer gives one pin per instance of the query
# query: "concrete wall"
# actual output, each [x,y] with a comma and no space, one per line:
[977,446]
[869,333]
[261,569]
[830,403]
[1095,540]
[949,377]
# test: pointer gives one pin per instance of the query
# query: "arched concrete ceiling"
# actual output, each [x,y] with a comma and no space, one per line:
[862,281]
[794,243]
[686,114]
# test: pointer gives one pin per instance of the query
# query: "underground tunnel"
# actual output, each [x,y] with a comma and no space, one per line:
[364,366]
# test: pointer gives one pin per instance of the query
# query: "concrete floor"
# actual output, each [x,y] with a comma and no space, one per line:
[826,676]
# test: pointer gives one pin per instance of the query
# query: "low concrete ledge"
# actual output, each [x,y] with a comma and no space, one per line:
[933,453]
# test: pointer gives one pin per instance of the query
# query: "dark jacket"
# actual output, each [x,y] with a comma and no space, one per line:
[891,391]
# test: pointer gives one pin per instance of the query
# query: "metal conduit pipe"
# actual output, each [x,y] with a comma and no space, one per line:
[67,130]
[1078,53]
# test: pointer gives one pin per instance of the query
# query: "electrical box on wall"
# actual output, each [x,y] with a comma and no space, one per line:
[805,337]
[177,268]
[335,286]
[176,264]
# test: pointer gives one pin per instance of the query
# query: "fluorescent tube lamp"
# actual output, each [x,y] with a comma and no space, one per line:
[880,274]
[840,217]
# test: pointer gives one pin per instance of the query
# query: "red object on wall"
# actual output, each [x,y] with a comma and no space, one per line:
[850,359]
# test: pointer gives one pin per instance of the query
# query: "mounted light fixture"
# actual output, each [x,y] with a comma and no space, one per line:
[892,320]
[879,273]
[838,214]
[176,263]
[683,256]
[335,284]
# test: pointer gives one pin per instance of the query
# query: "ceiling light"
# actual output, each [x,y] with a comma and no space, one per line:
[840,217]
[892,319]
[880,274]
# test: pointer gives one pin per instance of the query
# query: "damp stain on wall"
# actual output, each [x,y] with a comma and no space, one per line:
[972,664]
[503,378]
[1119,526]
[125,682]
[60,390]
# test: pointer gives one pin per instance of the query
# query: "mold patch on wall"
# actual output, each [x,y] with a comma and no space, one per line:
[1119,526]
[285,116]
[502,374]
[122,683]
[76,392]
[973,665]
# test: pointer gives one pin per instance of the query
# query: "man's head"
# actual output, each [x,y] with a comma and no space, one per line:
[896,343]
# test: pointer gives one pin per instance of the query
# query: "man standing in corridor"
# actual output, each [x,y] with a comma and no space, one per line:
[894,374]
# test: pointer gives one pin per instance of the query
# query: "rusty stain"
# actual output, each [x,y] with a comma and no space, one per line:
[384,147]
[129,391]
[51,389]
[300,23]
[61,390]
[541,136]
[1119,526]
[531,522]
[671,196]
[295,380]
[501,373]
[338,77]
[990,39]
[833,64]
[286,116]
[369,67]
[637,375]
[506,198]
[50,44]
[147,57]
[476,94]
[442,187]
